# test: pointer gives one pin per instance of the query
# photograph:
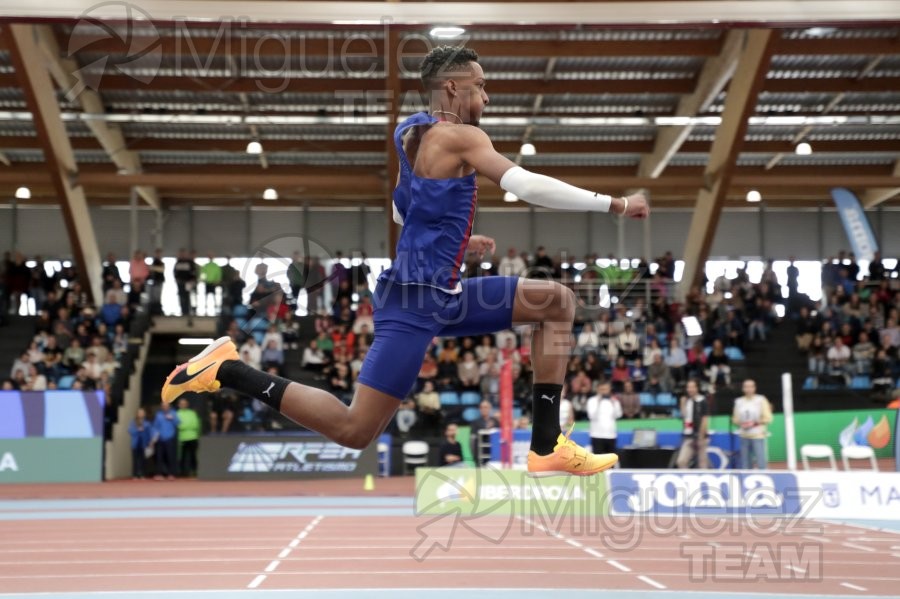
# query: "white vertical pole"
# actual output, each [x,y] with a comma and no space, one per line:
[790,441]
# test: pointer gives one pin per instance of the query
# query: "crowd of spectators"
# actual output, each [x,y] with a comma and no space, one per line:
[75,344]
[638,344]
[853,338]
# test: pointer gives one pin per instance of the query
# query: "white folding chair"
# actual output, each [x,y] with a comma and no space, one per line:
[415,453]
[817,452]
[858,452]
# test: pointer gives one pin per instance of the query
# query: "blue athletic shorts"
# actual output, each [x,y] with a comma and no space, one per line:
[408,317]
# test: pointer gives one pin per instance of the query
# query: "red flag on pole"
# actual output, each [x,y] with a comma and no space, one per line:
[506,415]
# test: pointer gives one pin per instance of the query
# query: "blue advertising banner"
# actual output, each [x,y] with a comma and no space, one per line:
[702,492]
[862,240]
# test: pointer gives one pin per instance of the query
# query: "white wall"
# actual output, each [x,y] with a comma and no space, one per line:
[225,231]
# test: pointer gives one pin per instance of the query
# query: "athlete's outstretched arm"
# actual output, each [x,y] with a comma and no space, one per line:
[475,149]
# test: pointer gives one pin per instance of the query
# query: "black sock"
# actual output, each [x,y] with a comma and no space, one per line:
[267,388]
[545,406]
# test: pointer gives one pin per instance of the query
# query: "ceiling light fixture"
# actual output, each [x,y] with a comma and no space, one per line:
[446,32]
[254,147]
[23,193]
[270,194]
[754,196]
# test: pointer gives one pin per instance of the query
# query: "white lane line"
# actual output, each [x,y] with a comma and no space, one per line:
[853,586]
[573,543]
[819,539]
[256,581]
[652,582]
[616,564]
[273,565]
[860,547]
[593,552]
[795,569]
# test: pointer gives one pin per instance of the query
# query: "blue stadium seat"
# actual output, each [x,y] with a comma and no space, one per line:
[65,382]
[666,400]
[648,400]
[239,311]
[861,382]
[734,354]
[449,398]
[517,413]
[259,336]
[809,384]
[470,414]
[470,398]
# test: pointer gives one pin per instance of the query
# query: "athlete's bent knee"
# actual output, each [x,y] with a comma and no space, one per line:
[355,437]
[563,307]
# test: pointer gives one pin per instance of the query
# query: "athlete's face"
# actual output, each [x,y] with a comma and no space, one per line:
[471,94]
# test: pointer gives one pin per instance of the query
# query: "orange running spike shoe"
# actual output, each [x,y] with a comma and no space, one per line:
[199,373]
[569,458]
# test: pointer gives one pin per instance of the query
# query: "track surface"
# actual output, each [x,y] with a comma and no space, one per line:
[237,546]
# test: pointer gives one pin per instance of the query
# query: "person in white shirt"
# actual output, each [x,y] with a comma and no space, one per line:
[627,343]
[752,413]
[511,265]
[251,353]
[588,340]
[603,410]
[839,359]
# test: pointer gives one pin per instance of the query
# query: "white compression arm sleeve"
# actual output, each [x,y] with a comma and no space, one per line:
[398,218]
[552,193]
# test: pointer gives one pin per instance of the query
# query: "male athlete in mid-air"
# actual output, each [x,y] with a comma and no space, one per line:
[421,296]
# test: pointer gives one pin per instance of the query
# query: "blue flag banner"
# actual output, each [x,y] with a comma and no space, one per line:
[862,240]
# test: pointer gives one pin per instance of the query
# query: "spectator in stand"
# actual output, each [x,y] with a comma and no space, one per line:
[450,452]
[141,439]
[165,429]
[272,356]
[21,366]
[511,265]
[138,270]
[110,272]
[486,420]
[719,364]
[484,350]
[627,343]
[839,360]
[695,417]
[659,377]
[863,354]
[733,330]
[296,275]
[188,434]
[36,380]
[341,385]
[580,388]
[157,279]
[211,276]
[468,372]
[428,403]
[637,374]
[677,360]
[185,279]
[221,411]
[111,310]
[603,410]
[251,353]
[882,380]
[490,377]
[588,339]
[364,315]
[543,264]
[313,357]
[752,414]
[620,374]
[630,401]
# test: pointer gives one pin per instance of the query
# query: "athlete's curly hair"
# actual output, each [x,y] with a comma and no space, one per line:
[444,59]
